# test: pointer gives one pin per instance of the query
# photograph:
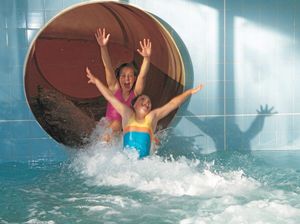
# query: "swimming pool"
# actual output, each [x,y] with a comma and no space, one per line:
[104,185]
[110,186]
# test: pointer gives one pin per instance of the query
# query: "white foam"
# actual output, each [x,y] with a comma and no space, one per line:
[260,211]
[36,221]
[95,208]
[110,166]
[104,201]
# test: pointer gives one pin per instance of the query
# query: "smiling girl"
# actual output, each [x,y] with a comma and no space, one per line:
[139,121]
[125,83]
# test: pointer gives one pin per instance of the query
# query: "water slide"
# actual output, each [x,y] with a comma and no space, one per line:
[197,41]
[62,101]
[229,155]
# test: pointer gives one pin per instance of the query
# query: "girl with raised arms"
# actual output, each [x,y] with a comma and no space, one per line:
[125,83]
[139,121]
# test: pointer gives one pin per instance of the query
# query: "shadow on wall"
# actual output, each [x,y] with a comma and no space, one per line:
[236,139]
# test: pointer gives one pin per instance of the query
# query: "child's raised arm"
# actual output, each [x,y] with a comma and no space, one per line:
[122,109]
[173,104]
[146,53]
[102,40]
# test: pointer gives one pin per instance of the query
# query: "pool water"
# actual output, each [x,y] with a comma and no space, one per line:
[104,185]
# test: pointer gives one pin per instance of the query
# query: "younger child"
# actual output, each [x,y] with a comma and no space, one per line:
[124,83]
[139,121]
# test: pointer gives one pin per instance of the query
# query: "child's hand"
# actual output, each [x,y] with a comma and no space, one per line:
[196,89]
[146,48]
[91,77]
[101,37]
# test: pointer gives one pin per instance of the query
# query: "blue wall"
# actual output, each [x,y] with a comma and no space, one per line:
[245,52]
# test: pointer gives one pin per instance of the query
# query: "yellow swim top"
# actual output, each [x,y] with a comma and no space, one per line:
[138,135]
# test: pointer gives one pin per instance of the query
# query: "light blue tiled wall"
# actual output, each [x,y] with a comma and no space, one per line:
[245,52]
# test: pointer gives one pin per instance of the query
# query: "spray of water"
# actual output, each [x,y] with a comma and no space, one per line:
[106,164]
[227,196]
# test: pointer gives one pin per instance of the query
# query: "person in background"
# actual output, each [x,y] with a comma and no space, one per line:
[124,83]
[139,120]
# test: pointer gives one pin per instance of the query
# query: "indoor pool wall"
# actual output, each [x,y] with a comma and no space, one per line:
[245,52]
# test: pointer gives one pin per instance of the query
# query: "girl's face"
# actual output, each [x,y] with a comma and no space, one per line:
[143,105]
[127,78]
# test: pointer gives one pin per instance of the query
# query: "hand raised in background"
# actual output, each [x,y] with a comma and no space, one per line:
[101,37]
[146,48]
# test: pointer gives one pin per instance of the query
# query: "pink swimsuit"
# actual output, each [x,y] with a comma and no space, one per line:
[111,112]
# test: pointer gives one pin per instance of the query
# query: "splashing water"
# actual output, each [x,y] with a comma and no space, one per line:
[105,184]
[107,167]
